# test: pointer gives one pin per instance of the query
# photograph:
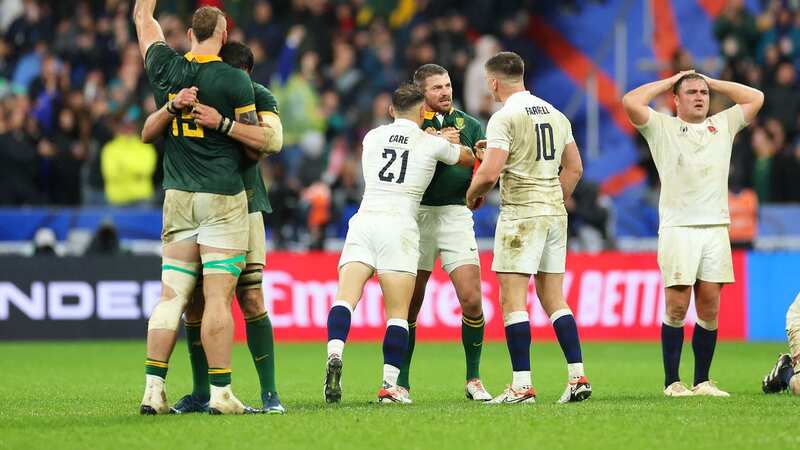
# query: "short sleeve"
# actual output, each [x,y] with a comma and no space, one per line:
[734,116]
[497,133]
[159,61]
[265,101]
[654,126]
[240,91]
[446,152]
[568,137]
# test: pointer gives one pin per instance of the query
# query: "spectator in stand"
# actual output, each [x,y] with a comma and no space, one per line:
[66,161]
[264,29]
[477,99]
[128,166]
[782,100]
[787,175]
[743,207]
[764,150]
[19,172]
[736,31]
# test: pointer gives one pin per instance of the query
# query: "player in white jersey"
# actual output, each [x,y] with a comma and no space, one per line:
[398,162]
[529,141]
[786,373]
[692,153]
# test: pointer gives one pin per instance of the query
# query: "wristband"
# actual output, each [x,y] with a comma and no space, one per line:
[171,109]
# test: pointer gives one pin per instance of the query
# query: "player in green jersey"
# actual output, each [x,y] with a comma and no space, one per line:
[446,227]
[205,208]
[260,339]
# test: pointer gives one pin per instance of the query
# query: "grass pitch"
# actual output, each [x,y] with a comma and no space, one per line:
[86,395]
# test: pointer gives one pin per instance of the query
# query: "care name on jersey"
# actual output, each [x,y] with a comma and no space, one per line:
[398,139]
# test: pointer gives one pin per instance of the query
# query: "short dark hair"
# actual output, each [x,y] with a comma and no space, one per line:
[406,97]
[425,71]
[237,55]
[689,76]
[507,64]
[204,22]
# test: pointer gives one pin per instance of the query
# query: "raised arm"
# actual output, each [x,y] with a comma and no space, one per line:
[147,28]
[749,99]
[158,121]
[571,169]
[637,101]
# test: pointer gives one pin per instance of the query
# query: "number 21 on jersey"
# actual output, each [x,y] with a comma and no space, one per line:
[391,155]
[183,124]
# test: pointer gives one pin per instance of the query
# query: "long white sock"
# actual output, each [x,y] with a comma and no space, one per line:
[390,374]
[335,347]
[521,379]
[575,370]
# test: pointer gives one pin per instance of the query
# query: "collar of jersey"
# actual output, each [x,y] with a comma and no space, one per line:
[429,115]
[519,94]
[202,59]
[405,122]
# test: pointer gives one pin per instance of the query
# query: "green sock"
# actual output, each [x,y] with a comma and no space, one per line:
[197,356]
[402,379]
[262,348]
[219,377]
[156,367]
[472,338]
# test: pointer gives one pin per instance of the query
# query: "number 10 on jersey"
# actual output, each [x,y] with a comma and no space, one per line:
[544,136]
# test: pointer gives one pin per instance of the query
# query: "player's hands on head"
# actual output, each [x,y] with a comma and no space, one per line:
[476,202]
[452,135]
[206,116]
[185,98]
[680,74]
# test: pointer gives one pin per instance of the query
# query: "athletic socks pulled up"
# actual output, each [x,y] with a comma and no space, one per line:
[338,327]
[395,346]
[518,339]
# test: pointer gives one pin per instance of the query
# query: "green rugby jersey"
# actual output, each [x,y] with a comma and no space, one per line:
[450,183]
[198,159]
[257,199]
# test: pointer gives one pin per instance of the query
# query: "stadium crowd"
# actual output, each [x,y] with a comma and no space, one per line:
[73,95]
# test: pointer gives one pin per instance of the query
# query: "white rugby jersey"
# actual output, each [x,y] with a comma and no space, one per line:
[534,134]
[398,162]
[693,162]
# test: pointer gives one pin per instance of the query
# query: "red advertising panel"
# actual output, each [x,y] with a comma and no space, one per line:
[617,296]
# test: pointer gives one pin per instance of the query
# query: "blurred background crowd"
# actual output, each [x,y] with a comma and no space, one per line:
[73,96]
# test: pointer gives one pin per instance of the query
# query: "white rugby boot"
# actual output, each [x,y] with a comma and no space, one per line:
[677,389]
[709,389]
[474,390]
[224,402]
[389,394]
[578,390]
[511,395]
[155,397]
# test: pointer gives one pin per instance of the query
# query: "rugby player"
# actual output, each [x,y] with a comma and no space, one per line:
[786,373]
[692,153]
[258,328]
[398,162]
[446,229]
[528,143]
[205,208]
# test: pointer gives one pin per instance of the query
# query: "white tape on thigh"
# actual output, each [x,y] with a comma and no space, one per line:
[179,277]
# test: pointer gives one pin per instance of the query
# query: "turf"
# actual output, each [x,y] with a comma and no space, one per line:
[85,395]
